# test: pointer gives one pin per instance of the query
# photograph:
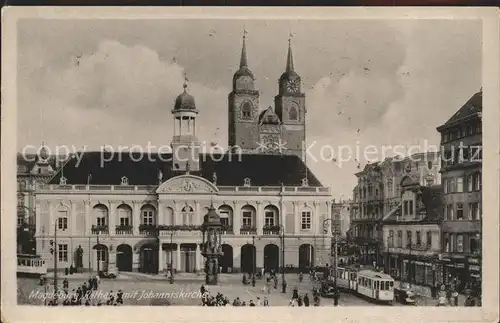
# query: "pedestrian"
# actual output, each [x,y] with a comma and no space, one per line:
[301,277]
[243,304]
[266,302]
[317,300]
[299,301]
[251,303]
[258,301]
[295,293]
[306,300]
[262,272]
[119,297]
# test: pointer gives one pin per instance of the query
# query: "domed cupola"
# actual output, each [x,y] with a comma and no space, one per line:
[243,79]
[184,101]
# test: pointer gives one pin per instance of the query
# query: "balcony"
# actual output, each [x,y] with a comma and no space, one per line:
[269,230]
[99,229]
[148,230]
[124,230]
[248,230]
[179,230]
[227,229]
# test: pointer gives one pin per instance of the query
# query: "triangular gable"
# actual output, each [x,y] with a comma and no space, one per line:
[269,116]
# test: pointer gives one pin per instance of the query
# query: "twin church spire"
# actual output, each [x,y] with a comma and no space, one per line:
[289,68]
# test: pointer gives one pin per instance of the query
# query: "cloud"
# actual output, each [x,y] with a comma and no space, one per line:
[395,81]
[121,95]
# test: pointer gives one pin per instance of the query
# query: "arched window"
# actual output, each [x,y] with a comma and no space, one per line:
[148,215]
[248,216]
[293,114]
[246,110]
[124,215]
[62,220]
[187,215]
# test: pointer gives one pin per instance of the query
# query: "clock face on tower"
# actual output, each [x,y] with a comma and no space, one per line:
[293,86]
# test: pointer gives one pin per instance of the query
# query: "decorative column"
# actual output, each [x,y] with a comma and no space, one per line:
[112,218]
[161,211]
[73,219]
[197,256]
[50,229]
[136,217]
[161,261]
[259,216]
[88,224]
[236,217]
[38,220]
[315,218]
[282,210]
[178,262]
[296,217]
[198,217]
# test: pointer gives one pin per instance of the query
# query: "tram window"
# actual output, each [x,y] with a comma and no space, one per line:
[387,285]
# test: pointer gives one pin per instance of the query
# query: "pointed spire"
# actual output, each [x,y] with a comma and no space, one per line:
[289,59]
[243,59]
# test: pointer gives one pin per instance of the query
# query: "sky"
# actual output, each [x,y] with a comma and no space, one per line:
[367,82]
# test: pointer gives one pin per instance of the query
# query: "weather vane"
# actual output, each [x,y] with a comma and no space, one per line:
[185,80]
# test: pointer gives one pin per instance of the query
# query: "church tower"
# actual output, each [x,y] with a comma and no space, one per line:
[290,108]
[243,107]
[185,144]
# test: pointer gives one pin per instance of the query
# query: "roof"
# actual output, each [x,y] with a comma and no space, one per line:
[231,170]
[268,116]
[184,101]
[472,107]
[374,274]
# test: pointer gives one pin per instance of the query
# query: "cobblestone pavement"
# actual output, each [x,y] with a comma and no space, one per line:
[142,289]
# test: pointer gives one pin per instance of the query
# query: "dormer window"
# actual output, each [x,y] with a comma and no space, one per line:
[246,182]
[305,182]
[62,180]
[124,180]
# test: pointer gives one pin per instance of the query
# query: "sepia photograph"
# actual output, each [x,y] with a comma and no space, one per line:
[266,161]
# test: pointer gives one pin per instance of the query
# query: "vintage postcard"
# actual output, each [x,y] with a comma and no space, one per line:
[341,159]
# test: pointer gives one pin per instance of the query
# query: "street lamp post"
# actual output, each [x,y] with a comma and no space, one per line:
[282,241]
[334,254]
[254,265]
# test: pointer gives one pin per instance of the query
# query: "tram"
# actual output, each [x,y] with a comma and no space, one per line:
[371,284]
[30,266]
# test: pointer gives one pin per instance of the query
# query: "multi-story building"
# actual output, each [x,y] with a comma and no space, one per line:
[412,235]
[379,191]
[143,213]
[32,170]
[461,141]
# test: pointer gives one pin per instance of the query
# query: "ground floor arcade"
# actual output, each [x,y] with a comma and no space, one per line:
[153,255]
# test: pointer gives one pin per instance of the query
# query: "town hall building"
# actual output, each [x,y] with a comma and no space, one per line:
[143,214]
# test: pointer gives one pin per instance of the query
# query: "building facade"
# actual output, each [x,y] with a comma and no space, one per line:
[461,139]
[378,192]
[143,214]
[412,235]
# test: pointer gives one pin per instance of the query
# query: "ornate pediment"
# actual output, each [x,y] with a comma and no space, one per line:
[187,184]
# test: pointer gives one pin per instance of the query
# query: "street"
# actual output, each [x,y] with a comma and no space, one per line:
[140,289]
